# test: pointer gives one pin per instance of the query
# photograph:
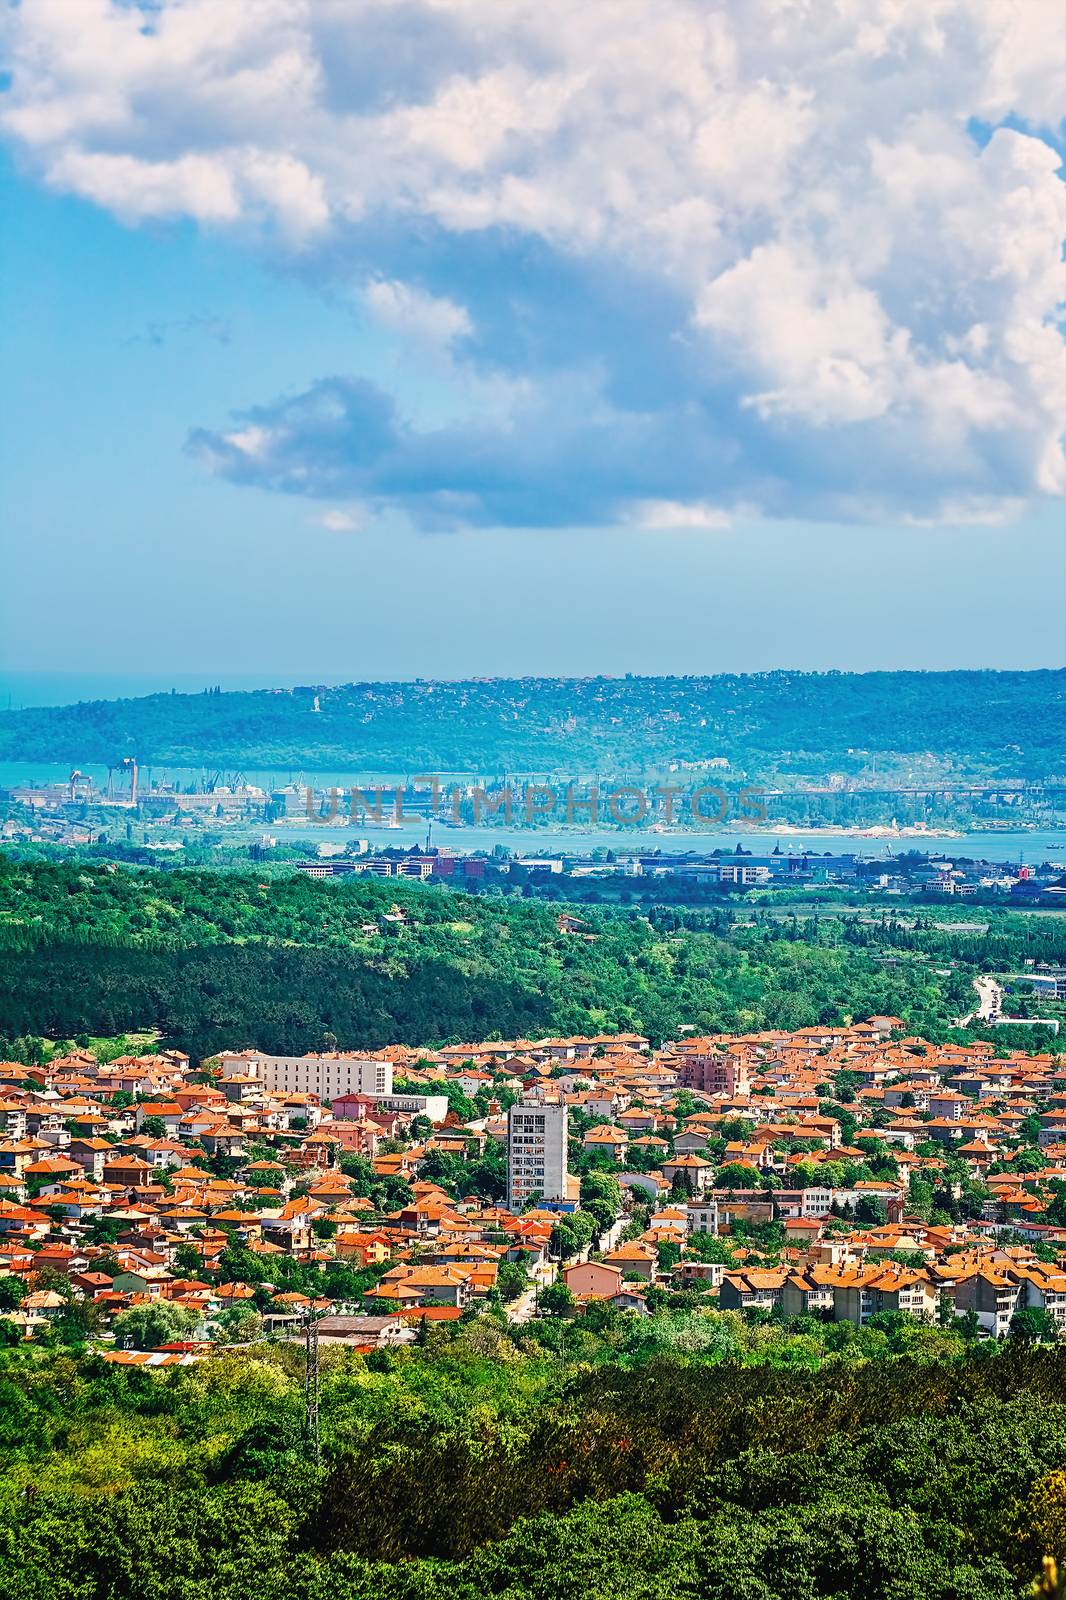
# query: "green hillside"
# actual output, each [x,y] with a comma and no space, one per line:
[781,723]
[228,959]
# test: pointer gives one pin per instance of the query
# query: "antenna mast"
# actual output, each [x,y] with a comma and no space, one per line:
[314,1444]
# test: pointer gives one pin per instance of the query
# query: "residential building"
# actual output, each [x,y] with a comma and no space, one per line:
[713,1071]
[536,1152]
[327,1076]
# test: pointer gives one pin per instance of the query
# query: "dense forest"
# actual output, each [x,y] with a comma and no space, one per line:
[765,725]
[228,959]
[686,1456]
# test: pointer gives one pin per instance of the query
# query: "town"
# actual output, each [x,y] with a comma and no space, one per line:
[897,832]
[162,1208]
[691,875]
[221,823]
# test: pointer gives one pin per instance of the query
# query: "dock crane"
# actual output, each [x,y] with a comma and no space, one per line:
[79,785]
[128,767]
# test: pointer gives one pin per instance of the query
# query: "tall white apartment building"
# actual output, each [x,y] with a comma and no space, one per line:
[536,1153]
[327,1076]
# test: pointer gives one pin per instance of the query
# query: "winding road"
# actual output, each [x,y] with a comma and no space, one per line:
[989,1002]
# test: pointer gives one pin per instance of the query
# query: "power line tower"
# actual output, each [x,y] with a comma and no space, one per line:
[314,1445]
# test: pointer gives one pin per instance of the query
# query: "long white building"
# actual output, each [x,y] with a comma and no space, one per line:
[327,1076]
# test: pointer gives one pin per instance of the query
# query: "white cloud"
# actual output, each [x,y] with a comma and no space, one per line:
[252,442]
[336,520]
[865,287]
[282,184]
[972,513]
[820,336]
[426,318]
[670,514]
[190,185]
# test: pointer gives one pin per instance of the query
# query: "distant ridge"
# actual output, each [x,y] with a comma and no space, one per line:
[787,724]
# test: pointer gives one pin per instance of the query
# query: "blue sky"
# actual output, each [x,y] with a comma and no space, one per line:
[265,423]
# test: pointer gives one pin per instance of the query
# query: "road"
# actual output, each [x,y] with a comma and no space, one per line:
[989,1002]
[523,1308]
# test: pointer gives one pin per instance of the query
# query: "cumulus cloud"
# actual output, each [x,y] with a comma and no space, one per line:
[682,257]
[567,461]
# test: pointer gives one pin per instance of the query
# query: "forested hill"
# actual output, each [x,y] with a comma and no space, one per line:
[1008,724]
[215,959]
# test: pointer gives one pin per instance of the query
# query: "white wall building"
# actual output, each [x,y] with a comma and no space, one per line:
[702,1216]
[433,1106]
[536,1153]
[327,1076]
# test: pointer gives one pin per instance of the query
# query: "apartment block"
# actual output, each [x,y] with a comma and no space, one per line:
[713,1072]
[536,1153]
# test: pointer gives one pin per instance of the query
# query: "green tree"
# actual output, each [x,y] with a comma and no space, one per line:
[1033,1323]
[557,1300]
[511,1281]
[238,1325]
[667,1255]
[736,1176]
[148,1327]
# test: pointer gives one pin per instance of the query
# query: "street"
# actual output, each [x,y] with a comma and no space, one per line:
[989,1002]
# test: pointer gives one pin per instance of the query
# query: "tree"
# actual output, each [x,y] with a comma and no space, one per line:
[572,1233]
[735,1128]
[668,1255]
[105,1230]
[557,1300]
[80,1320]
[706,1247]
[11,1292]
[359,1168]
[601,1197]
[238,1325]
[511,1280]
[148,1327]
[344,1282]
[685,1104]
[487,1175]
[1033,1324]
[1029,1131]
[736,1176]
[188,1260]
[845,1085]
[238,1264]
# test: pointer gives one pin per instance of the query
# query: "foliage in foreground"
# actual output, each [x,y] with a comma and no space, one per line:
[471,1468]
